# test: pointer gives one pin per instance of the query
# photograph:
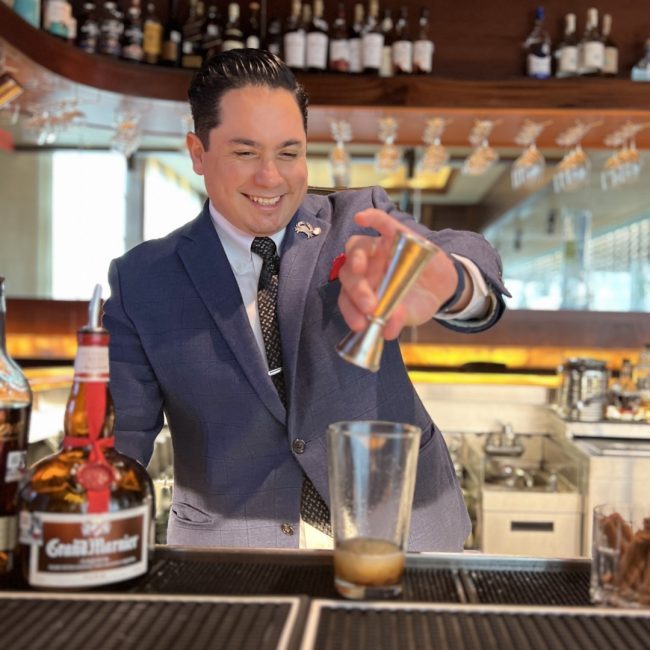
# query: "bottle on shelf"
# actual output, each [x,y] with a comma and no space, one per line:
[233,35]
[387,28]
[15,410]
[58,19]
[273,41]
[294,42]
[372,40]
[172,38]
[133,34]
[567,51]
[152,35]
[87,507]
[192,37]
[641,70]
[88,28]
[610,56]
[212,33]
[253,38]
[402,48]
[339,51]
[537,48]
[423,47]
[317,40]
[591,50]
[111,27]
[354,40]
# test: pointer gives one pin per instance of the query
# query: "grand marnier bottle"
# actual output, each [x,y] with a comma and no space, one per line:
[15,408]
[86,512]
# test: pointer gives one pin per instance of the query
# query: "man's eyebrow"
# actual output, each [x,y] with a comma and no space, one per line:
[252,143]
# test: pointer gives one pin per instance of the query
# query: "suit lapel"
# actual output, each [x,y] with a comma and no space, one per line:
[299,256]
[209,270]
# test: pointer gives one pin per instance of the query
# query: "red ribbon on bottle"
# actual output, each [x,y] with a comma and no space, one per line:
[97,474]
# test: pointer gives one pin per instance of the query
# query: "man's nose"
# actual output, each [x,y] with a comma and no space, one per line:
[268,173]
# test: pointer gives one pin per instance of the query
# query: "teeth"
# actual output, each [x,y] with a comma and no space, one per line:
[262,200]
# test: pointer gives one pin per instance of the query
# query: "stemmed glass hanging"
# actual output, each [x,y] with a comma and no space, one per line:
[623,166]
[389,157]
[572,172]
[339,158]
[483,156]
[436,155]
[528,169]
[127,136]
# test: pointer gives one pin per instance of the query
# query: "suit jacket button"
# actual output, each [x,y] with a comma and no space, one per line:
[287,529]
[298,446]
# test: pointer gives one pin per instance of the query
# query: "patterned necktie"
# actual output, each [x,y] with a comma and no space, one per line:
[313,509]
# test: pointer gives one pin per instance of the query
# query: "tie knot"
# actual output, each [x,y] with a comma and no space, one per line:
[265,248]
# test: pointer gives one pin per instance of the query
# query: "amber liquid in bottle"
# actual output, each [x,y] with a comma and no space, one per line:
[86,512]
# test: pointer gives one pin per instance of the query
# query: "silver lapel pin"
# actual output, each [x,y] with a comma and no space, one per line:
[307,229]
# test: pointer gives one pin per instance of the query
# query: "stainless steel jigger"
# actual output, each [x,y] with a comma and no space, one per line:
[409,255]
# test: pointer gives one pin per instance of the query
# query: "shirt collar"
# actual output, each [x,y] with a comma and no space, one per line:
[236,243]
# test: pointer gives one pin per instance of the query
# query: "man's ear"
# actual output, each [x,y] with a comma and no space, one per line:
[196,150]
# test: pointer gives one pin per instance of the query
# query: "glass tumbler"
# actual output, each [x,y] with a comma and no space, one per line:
[372,467]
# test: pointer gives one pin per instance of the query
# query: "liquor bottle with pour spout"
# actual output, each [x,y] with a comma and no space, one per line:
[15,409]
[86,512]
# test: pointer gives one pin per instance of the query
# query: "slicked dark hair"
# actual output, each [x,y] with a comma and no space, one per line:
[232,70]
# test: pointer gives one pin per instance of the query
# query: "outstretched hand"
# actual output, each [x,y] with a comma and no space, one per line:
[367,259]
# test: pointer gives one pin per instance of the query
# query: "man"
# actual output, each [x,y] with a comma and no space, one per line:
[189,330]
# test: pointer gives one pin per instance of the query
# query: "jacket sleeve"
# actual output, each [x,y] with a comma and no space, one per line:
[467,244]
[134,387]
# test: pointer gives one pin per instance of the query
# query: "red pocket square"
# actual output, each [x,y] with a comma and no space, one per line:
[336,267]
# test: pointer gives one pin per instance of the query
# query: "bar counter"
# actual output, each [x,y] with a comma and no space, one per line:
[214,598]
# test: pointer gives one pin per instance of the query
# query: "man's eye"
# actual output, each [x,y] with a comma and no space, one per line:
[288,155]
[244,154]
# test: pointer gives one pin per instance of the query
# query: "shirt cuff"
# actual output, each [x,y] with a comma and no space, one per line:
[483,301]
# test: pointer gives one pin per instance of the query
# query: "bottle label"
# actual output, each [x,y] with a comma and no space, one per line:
[610,65]
[568,61]
[294,49]
[593,55]
[15,466]
[423,56]
[340,54]
[403,56]
[539,67]
[8,533]
[372,45]
[317,50]
[355,55]
[386,68]
[152,43]
[75,550]
[91,363]
[253,42]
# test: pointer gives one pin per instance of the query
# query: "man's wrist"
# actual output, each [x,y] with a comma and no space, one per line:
[453,300]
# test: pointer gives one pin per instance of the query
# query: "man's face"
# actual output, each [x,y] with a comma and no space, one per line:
[255,169]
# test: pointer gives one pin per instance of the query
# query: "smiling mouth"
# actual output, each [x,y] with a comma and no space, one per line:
[264,200]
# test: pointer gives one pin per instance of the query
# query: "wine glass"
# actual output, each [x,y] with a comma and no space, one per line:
[483,156]
[624,165]
[528,169]
[339,157]
[572,172]
[389,157]
[436,156]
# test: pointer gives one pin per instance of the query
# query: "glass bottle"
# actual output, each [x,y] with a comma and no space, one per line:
[56,18]
[402,49]
[591,51]
[317,40]
[567,51]
[192,31]
[294,41]
[88,29]
[372,40]
[110,30]
[423,47]
[233,35]
[253,38]
[172,38]
[273,41]
[354,39]
[641,70]
[152,35]
[212,35]
[339,52]
[15,409]
[87,507]
[133,35]
[387,28]
[538,49]
[610,55]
